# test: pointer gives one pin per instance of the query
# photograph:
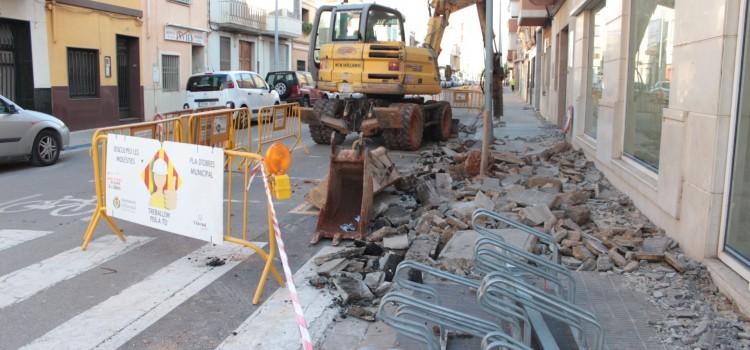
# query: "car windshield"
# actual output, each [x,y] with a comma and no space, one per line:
[208,82]
[346,25]
[383,26]
[259,82]
[245,81]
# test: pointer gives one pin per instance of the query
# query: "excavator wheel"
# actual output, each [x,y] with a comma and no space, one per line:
[408,138]
[320,133]
[444,114]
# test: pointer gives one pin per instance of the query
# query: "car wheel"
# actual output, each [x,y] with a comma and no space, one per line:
[282,88]
[46,148]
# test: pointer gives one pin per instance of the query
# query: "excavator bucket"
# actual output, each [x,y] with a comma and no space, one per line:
[354,177]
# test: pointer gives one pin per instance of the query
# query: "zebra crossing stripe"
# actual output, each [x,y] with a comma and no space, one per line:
[12,238]
[21,284]
[115,321]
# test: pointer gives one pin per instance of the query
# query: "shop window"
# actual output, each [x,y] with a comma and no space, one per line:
[650,67]
[597,43]
[170,72]
[83,72]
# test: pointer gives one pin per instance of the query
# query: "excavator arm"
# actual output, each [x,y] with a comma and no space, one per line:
[440,12]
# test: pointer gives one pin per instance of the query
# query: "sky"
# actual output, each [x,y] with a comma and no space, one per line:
[472,45]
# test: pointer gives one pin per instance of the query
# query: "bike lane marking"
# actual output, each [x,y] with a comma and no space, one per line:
[12,238]
[67,206]
[115,321]
[21,284]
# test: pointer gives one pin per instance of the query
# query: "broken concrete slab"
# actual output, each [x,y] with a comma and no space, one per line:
[490,184]
[331,266]
[541,181]
[617,258]
[344,253]
[582,253]
[374,279]
[507,157]
[530,198]
[456,222]
[381,233]
[537,215]
[352,288]
[460,246]
[427,195]
[444,184]
[422,248]
[595,246]
[603,263]
[483,201]
[580,214]
[655,245]
[396,242]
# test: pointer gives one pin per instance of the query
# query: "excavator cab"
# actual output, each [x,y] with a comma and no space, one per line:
[360,48]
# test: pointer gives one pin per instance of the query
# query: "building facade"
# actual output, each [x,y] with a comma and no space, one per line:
[658,91]
[24,59]
[94,61]
[301,44]
[175,46]
[242,35]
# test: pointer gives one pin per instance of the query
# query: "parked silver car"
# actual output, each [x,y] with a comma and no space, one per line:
[30,135]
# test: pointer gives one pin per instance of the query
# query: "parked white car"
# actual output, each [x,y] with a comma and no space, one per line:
[31,135]
[231,89]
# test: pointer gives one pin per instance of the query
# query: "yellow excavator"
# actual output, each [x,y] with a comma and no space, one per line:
[359,55]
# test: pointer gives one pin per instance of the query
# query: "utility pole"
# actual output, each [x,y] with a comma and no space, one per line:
[487,114]
[276,38]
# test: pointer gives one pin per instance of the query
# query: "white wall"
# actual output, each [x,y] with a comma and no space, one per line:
[33,12]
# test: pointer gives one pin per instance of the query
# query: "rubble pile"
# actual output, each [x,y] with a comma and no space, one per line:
[542,182]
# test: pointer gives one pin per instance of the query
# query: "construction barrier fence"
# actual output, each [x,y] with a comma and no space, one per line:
[213,129]
[280,123]
[472,98]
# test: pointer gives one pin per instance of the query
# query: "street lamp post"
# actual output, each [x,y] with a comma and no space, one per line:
[487,115]
[276,37]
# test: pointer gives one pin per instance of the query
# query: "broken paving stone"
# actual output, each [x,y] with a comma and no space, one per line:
[383,288]
[374,279]
[490,184]
[483,202]
[456,222]
[580,214]
[582,253]
[530,198]
[674,261]
[422,248]
[617,258]
[653,248]
[542,181]
[319,282]
[381,233]
[396,242]
[537,215]
[631,266]
[507,157]
[427,195]
[352,288]
[557,148]
[460,246]
[511,180]
[572,198]
[603,263]
[362,313]
[356,266]
[574,235]
[570,262]
[397,215]
[344,253]
[444,184]
[587,265]
[331,266]
[595,246]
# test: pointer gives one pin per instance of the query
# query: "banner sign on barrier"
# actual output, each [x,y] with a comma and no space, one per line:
[174,187]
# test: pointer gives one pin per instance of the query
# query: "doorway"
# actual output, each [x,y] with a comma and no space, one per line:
[16,81]
[562,76]
[128,77]
[246,55]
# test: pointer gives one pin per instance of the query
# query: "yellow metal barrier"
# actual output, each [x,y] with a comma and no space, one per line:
[172,131]
[462,98]
[218,128]
[279,123]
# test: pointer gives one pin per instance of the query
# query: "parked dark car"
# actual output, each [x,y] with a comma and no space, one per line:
[295,86]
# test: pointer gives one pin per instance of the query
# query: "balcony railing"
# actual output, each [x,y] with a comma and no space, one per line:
[237,15]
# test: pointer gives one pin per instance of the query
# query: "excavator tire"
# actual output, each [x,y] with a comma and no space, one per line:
[444,116]
[320,133]
[408,138]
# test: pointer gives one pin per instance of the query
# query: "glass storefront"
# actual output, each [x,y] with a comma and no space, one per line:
[652,32]
[598,42]
[737,239]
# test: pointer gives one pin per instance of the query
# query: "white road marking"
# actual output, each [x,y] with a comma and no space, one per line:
[273,326]
[11,238]
[22,284]
[115,321]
